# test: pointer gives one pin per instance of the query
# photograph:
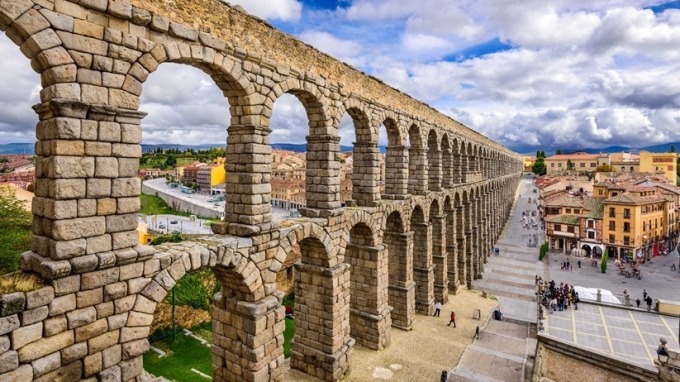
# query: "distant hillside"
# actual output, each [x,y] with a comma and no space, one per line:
[17,148]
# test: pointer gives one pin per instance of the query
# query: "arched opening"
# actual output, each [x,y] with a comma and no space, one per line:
[457,161]
[289,167]
[394,161]
[365,157]
[423,274]
[184,136]
[400,271]
[417,162]
[368,296]
[434,157]
[439,255]
[20,91]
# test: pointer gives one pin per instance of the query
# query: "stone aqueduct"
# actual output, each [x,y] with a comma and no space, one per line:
[365,268]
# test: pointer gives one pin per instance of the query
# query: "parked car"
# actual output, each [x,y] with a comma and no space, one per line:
[161,226]
[173,221]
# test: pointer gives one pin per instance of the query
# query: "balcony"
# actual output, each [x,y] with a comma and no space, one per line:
[472,176]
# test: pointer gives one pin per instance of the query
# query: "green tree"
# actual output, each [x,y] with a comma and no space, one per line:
[539,167]
[604,168]
[558,152]
[671,149]
[15,230]
[570,165]
[603,265]
[170,161]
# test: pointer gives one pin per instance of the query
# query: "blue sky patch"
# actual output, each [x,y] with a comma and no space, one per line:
[668,5]
[479,50]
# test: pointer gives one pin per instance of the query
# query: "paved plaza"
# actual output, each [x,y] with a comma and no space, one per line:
[631,335]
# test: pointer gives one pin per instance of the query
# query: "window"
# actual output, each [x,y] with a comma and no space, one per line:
[567,211]
[582,165]
[626,227]
[631,168]
[612,226]
[626,240]
[552,164]
[570,229]
[590,224]
[656,223]
[558,227]
[599,192]
[577,211]
[591,235]
[612,212]
[612,239]
[626,213]
[593,165]
[623,169]
[559,165]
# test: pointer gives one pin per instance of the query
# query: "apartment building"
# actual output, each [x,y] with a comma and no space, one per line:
[209,176]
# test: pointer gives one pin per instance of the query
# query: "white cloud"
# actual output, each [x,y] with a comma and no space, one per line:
[284,10]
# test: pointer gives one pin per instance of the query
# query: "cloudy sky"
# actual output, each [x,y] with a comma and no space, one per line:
[527,73]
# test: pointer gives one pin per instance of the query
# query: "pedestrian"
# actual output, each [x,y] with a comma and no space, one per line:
[571,268]
[637,302]
[568,265]
[453,319]
[437,309]
[579,263]
[644,294]
[648,300]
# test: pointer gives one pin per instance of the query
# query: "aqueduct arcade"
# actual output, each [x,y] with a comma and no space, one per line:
[366,268]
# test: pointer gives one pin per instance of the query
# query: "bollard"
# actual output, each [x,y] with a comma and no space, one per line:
[445,376]
[599,296]
[477,333]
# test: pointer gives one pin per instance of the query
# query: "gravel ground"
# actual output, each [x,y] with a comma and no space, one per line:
[422,353]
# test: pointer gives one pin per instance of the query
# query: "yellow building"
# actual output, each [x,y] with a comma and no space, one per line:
[210,176]
[528,163]
[558,164]
[636,221]
[665,163]
[144,236]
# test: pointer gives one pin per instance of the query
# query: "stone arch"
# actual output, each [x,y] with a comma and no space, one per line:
[459,201]
[434,159]
[308,230]
[312,98]
[457,158]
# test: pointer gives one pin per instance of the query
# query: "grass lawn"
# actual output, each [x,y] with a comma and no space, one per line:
[153,205]
[183,355]
[288,336]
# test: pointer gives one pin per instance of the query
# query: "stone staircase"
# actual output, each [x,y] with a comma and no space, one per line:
[504,352]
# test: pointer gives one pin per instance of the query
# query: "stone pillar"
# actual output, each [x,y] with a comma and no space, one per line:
[322,344]
[87,189]
[396,173]
[417,171]
[247,209]
[322,189]
[458,167]
[451,250]
[461,244]
[366,174]
[423,269]
[247,339]
[441,282]
[370,322]
[402,294]
[470,247]
[447,169]
[434,165]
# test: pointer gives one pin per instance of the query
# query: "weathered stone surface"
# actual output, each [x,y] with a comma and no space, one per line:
[46,364]
[99,278]
[45,346]
[8,361]
[8,324]
[26,335]
[63,304]
[12,303]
